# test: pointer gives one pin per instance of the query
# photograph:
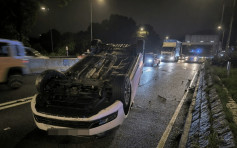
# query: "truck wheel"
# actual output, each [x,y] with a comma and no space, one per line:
[42,82]
[15,81]
[121,90]
[152,64]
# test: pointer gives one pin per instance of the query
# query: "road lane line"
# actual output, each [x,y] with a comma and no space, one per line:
[15,103]
[187,125]
[165,135]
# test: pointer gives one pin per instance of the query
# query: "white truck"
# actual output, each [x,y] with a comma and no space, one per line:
[11,63]
[170,50]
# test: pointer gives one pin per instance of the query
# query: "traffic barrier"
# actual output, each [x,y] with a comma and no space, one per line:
[40,65]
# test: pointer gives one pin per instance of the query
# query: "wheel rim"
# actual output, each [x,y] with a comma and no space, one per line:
[15,84]
[127,92]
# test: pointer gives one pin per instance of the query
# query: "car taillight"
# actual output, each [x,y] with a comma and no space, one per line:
[25,61]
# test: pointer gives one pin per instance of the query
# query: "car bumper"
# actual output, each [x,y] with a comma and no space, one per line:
[105,120]
[192,60]
[167,60]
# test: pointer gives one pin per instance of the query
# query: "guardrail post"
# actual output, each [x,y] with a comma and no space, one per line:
[228,68]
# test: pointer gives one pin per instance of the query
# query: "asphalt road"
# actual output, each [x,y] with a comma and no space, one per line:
[160,91]
[28,89]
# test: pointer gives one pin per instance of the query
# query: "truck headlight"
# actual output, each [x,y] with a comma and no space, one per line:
[171,58]
[149,60]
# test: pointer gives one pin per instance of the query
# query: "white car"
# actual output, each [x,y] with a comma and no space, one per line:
[151,59]
[93,96]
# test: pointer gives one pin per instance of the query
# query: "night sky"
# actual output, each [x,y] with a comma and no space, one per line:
[168,17]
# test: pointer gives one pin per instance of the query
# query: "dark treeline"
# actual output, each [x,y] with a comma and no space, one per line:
[20,15]
[117,29]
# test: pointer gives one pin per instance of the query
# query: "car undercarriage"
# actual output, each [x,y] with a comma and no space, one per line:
[92,84]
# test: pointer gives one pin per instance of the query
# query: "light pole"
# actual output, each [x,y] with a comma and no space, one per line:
[44,9]
[230,29]
[223,33]
[91,3]
[91,21]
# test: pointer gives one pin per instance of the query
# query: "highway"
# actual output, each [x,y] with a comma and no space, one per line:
[160,91]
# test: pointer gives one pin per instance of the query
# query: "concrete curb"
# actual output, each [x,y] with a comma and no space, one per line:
[184,138]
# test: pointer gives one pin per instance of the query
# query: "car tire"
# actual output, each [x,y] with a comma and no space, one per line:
[15,81]
[121,90]
[44,79]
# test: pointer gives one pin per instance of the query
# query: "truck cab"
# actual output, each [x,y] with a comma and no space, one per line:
[11,62]
[170,51]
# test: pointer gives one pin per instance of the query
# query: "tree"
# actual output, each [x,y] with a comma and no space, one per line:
[153,41]
[118,29]
[45,40]
[17,19]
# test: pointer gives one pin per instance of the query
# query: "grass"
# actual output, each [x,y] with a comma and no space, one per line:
[230,81]
[231,84]
[213,141]
[213,137]
[229,117]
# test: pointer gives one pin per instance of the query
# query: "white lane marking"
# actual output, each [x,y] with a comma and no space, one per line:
[15,103]
[184,137]
[165,135]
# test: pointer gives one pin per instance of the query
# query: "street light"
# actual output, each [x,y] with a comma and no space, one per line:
[44,9]
[91,1]
[142,33]
[167,37]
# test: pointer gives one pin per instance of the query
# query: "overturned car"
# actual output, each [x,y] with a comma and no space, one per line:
[91,97]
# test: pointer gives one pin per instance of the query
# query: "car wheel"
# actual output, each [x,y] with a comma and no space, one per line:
[42,82]
[15,81]
[121,90]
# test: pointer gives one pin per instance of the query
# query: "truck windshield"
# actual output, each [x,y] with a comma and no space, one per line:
[167,48]
[149,55]
[165,53]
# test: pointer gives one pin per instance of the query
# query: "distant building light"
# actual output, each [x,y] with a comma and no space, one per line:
[212,41]
[188,41]
[201,41]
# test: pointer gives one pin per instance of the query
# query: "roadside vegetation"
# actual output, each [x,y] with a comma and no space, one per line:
[230,81]
[220,77]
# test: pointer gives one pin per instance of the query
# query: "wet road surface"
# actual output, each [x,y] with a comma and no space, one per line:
[160,91]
